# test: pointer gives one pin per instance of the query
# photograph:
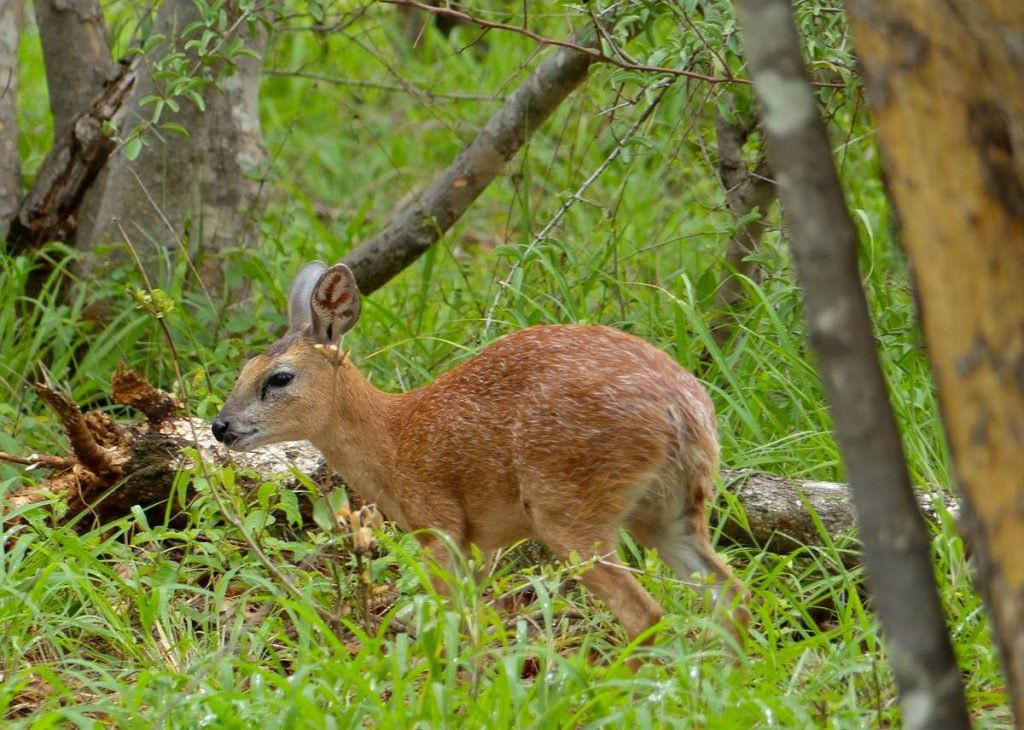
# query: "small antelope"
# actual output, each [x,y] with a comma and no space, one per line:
[563,433]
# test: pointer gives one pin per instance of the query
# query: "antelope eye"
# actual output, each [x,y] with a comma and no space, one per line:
[279,380]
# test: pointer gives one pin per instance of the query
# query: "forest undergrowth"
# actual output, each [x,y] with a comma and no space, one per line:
[138,623]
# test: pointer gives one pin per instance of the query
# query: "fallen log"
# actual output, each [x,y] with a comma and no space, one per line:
[783,515]
[115,467]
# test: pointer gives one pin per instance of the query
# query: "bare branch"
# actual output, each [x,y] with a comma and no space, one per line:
[595,54]
[421,224]
[43,461]
[450,193]
[896,546]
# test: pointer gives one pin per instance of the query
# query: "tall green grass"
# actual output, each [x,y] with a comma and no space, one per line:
[138,624]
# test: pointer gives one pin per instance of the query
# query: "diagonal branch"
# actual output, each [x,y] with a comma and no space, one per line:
[449,195]
[452,191]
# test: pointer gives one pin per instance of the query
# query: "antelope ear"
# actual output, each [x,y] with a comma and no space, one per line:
[299,314]
[334,304]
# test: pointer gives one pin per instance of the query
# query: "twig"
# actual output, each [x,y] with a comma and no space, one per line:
[593,53]
[380,85]
[46,461]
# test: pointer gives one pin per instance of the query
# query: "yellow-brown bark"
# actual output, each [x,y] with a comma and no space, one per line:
[946,81]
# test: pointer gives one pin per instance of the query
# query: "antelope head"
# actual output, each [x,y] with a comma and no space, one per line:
[284,393]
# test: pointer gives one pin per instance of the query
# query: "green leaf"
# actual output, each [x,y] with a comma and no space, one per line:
[265,492]
[316,11]
[132,148]
[324,509]
[258,520]
[175,127]
[289,504]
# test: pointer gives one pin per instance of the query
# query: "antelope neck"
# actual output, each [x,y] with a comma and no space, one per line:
[358,441]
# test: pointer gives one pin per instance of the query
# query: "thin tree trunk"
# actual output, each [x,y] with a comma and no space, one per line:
[76,55]
[746,190]
[824,244]
[184,196]
[10,161]
[945,82]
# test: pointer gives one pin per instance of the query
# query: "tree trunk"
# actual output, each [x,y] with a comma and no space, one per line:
[10,162]
[945,83]
[234,162]
[824,244]
[746,191]
[184,196]
[76,54]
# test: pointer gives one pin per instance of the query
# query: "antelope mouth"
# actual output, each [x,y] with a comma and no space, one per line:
[242,441]
[236,440]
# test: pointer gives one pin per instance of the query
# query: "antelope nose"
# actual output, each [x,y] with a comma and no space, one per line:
[220,429]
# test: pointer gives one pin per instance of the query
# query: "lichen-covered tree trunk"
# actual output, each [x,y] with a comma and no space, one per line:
[10,163]
[185,196]
[946,84]
[76,55]
[824,243]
